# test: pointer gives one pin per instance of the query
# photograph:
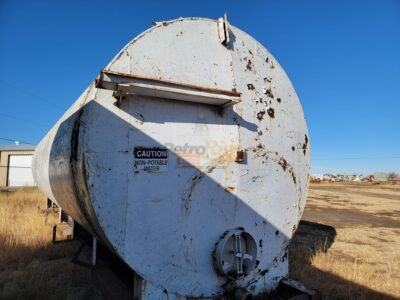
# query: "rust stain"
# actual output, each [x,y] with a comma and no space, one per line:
[230,188]
[283,163]
[305,144]
[250,86]
[293,176]
[260,115]
[240,155]
[268,92]
[271,112]
[266,79]
[249,65]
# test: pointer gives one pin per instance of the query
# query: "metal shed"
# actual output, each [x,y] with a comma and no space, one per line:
[16,165]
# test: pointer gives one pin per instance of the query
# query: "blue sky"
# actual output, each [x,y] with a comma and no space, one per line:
[343,58]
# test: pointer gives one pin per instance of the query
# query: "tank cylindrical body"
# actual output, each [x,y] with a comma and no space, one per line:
[188,157]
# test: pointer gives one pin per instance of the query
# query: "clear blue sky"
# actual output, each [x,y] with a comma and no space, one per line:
[343,58]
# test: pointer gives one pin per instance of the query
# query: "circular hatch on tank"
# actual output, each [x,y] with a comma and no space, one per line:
[235,254]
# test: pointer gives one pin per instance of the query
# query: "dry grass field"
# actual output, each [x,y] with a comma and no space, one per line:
[31,266]
[347,246]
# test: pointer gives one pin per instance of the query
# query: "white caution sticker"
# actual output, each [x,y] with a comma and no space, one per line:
[152,159]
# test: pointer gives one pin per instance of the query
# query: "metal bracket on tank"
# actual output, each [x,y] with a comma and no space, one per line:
[122,83]
[223,30]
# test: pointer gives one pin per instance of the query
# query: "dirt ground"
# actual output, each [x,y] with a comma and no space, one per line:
[360,205]
[347,245]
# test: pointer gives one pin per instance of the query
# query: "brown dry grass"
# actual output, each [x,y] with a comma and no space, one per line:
[361,259]
[31,267]
[355,256]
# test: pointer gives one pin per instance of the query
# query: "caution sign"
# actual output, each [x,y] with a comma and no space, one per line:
[151,159]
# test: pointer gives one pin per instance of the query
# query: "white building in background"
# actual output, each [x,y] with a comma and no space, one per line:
[332,177]
[381,176]
[16,165]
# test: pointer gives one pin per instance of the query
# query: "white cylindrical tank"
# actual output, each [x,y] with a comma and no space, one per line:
[188,157]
